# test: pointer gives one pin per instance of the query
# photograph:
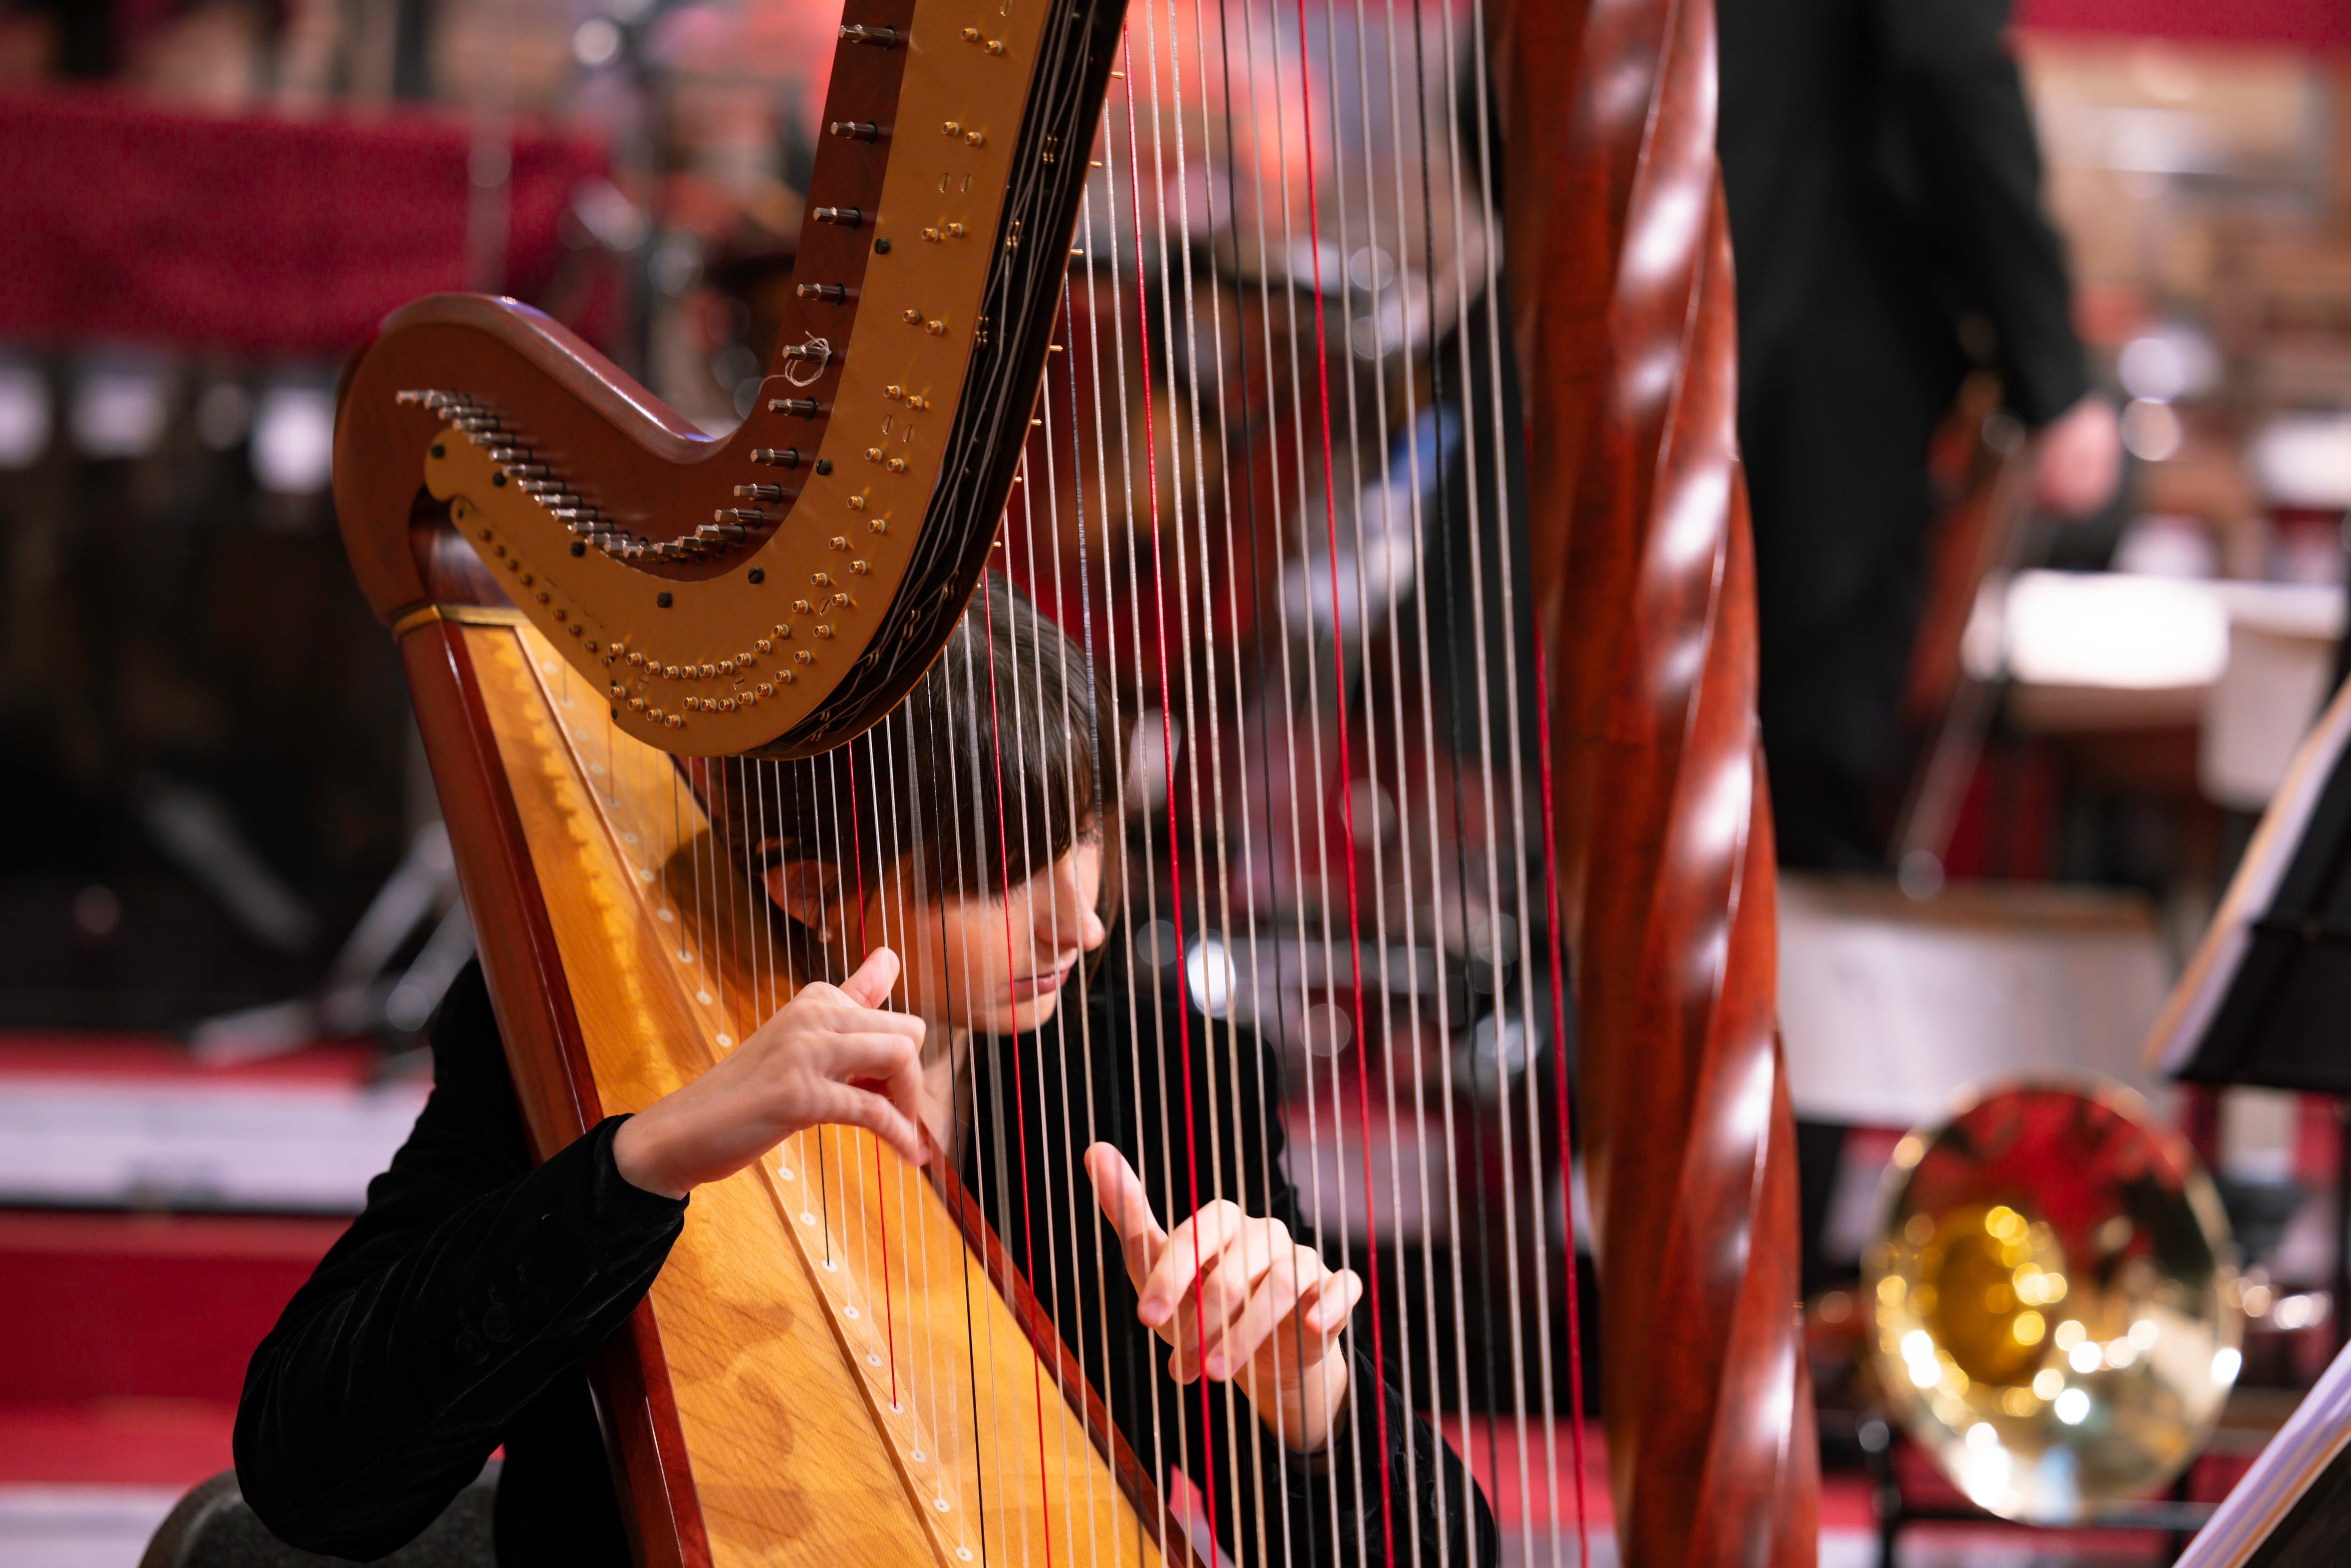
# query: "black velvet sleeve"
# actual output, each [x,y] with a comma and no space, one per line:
[1954,87]
[468,1283]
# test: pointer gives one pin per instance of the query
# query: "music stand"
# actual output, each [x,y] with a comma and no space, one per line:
[2266,1002]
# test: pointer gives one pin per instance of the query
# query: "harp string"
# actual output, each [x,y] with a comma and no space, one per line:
[1109,787]
[1209,858]
[1129,929]
[1500,434]
[1076,1205]
[1460,880]
[847,1155]
[1216,770]
[1022,724]
[921,1346]
[1169,236]
[1285,640]
[866,947]
[1416,490]
[1365,545]
[1345,791]
[727,1014]
[1020,1100]
[987,1141]
[1371,762]
[1304,445]
[956,1067]
[1265,1108]
[1203,1478]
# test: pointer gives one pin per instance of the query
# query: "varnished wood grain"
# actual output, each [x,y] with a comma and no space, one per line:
[1623,312]
[905,415]
[540,1031]
[781,1375]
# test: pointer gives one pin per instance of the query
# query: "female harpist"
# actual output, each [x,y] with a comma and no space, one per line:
[453,1317]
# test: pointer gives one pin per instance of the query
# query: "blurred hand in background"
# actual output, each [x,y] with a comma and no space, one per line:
[2081,459]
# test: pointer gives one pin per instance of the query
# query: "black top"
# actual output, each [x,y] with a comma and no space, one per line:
[1884,189]
[453,1316]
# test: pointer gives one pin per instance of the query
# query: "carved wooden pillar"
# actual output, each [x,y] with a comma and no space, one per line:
[1619,267]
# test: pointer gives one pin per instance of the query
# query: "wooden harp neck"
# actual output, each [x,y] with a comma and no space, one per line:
[777,589]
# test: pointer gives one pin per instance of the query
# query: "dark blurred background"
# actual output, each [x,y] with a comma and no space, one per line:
[208,207]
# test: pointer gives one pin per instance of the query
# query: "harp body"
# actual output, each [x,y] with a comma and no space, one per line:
[585,589]
[526,532]
[773,1401]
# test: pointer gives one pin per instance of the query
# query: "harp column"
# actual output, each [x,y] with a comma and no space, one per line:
[1623,317]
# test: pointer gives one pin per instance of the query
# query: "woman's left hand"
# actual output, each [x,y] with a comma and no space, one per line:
[1239,1301]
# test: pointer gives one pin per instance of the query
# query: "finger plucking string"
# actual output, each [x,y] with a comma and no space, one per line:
[1181,1263]
[1279,1290]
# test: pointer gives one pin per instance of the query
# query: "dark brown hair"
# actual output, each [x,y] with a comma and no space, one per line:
[984,776]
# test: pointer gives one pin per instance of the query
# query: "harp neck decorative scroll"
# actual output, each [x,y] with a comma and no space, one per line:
[844,522]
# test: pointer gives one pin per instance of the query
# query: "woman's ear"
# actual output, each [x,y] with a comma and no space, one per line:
[804,890]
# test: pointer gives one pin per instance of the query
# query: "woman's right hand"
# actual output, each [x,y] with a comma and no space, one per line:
[830,1054]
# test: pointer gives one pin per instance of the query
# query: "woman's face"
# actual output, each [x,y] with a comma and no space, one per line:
[995,965]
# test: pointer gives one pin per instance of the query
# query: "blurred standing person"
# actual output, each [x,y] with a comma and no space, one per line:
[1884,194]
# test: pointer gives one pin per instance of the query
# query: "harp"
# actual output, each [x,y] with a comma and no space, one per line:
[1190,322]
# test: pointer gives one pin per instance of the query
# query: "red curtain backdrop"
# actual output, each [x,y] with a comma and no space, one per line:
[122,222]
[2318,25]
